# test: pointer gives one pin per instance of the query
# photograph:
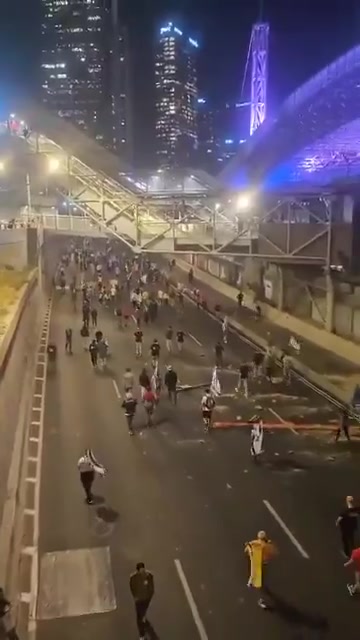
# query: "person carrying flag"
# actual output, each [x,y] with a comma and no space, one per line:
[88,466]
[260,552]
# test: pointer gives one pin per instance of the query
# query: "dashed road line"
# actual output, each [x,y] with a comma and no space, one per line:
[284,422]
[286,530]
[31,597]
[117,390]
[191,601]
[195,339]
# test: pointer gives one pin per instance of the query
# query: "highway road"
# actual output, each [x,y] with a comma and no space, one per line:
[185,502]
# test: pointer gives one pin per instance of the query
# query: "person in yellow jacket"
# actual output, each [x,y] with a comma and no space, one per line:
[260,551]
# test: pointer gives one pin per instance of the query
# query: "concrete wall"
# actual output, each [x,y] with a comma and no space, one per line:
[263,281]
[13,248]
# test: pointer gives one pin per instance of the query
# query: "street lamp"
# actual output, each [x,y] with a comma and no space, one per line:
[2,165]
[54,165]
[244,202]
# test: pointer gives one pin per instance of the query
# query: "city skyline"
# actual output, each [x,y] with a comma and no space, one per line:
[84,68]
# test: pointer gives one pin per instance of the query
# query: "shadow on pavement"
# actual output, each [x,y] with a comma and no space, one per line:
[302,620]
[107,514]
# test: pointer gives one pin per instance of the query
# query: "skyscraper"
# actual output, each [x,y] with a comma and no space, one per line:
[176,97]
[84,68]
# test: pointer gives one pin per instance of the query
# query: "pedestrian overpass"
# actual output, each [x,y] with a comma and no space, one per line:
[143,212]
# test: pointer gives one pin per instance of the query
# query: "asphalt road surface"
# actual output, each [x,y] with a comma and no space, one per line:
[185,502]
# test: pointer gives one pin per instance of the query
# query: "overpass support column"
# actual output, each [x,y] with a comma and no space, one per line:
[330,304]
[281,289]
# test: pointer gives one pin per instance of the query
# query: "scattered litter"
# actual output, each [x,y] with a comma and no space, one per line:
[291,452]
[245,471]
[228,486]
[238,417]
[277,454]
[189,477]
[330,459]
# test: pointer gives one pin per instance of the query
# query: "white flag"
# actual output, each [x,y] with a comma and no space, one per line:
[215,383]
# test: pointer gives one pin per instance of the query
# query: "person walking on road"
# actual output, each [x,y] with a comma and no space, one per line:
[144,382]
[243,380]
[343,427]
[258,360]
[171,380]
[138,335]
[68,341]
[129,406]
[260,552]
[348,524]
[354,561]
[94,316]
[149,402]
[168,338]
[88,467]
[180,340]
[142,590]
[93,350]
[155,353]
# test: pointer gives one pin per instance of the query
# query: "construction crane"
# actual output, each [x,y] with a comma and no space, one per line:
[258,52]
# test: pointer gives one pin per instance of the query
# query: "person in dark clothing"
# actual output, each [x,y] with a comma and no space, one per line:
[219,350]
[142,590]
[144,381]
[343,426]
[86,313]
[240,299]
[170,382]
[68,341]
[258,360]
[180,339]
[7,622]
[155,353]
[94,316]
[93,350]
[348,523]
[129,406]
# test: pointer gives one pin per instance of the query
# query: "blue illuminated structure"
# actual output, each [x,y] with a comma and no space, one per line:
[315,139]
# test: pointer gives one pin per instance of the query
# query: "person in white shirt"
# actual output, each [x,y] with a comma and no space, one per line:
[88,466]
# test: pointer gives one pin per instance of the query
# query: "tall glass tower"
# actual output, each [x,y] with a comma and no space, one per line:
[84,68]
[176,97]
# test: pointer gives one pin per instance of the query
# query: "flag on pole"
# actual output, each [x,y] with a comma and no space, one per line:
[215,387]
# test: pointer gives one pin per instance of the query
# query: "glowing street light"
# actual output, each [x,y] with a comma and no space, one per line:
[2,165]
[244,202]
[54,165]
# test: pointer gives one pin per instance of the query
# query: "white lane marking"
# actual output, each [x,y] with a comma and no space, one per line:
[33,459]
[195,339]
[191,602]
[117,390]
[32,480]
[284,422]
[286,530]
[29,512]
[34,577]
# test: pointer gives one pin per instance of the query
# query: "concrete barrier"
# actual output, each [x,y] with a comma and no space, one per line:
[17,363]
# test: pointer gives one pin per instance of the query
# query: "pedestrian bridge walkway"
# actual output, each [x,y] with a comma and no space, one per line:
[87,176]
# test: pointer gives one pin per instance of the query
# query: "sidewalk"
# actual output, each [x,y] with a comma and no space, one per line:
[335,375]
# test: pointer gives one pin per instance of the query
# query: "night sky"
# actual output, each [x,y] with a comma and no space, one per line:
[305,36]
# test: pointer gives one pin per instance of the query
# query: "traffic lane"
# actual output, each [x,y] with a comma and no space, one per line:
[301,402]
[279,401]
[82,411]
[225,482]
[245,536]
[136,479]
